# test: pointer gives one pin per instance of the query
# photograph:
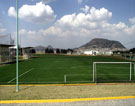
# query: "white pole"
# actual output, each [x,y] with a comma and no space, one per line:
[93,72]
[65,79]
[134,71]
[130,71]
[17,51]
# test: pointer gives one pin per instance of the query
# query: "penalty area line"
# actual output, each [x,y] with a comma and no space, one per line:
[21,75]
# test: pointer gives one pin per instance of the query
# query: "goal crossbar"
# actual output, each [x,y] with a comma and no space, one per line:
[113,62]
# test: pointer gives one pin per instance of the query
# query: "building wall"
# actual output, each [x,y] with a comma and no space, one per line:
[4,53]
[91,52]
[88,52]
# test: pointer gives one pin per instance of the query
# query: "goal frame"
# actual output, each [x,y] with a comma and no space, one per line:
[66,75]
[95,71]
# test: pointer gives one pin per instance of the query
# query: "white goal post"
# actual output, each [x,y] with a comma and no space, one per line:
[94,68]
[134,70]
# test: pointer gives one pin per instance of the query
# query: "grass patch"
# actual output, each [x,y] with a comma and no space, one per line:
[52,68]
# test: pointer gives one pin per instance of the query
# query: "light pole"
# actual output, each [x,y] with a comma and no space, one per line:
[17,86]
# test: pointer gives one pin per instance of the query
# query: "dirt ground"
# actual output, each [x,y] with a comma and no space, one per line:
[33,92]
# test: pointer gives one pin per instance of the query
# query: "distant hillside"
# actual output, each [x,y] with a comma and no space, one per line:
[102,43]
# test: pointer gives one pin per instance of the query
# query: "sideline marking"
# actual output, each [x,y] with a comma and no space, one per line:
[21,75]
[62,67]
[68,84]
[77,66]
[63,100]
[49,84]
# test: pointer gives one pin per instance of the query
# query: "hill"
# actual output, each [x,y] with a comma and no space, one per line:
[99,43]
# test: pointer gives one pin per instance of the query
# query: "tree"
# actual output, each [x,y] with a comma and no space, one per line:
[32,51]
[48,50]
[132,50]
[57,50]
[70,50]
[64,51]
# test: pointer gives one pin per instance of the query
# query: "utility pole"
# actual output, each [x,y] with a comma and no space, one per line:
[17,86]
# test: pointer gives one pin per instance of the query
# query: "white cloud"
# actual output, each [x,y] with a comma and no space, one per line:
[2,30]
[73,30]
[80,1]
[85,20]
[85,9]
[130,30]
[99,14]
[39,13]
[11,12]
[132,20]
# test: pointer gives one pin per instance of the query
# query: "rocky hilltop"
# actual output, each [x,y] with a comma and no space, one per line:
[99,43]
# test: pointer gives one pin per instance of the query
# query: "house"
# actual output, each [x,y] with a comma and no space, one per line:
[13,50]
[105,52]
[94,51]
[69,52]
[88,52]
[78,52]
[91,52]
[5,54]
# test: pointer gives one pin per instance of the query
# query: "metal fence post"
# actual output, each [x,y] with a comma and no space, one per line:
[65,79]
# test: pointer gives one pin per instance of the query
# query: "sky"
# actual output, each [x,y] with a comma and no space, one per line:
[69,23]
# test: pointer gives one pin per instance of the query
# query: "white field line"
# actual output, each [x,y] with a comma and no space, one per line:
[78,66]
[40,68]
[41,82]
[49,68]
[79,74]
[60,67]
[114,74]
[20,75]
[111,67]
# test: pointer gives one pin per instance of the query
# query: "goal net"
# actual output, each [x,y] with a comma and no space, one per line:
[77,78]
[6,39]
[112,71]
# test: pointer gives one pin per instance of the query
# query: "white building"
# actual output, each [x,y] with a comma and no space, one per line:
[91,52]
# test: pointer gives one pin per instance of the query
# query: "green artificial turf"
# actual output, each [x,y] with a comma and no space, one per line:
[52,68]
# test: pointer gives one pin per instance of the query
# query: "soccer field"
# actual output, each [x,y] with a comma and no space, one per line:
[58,68]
